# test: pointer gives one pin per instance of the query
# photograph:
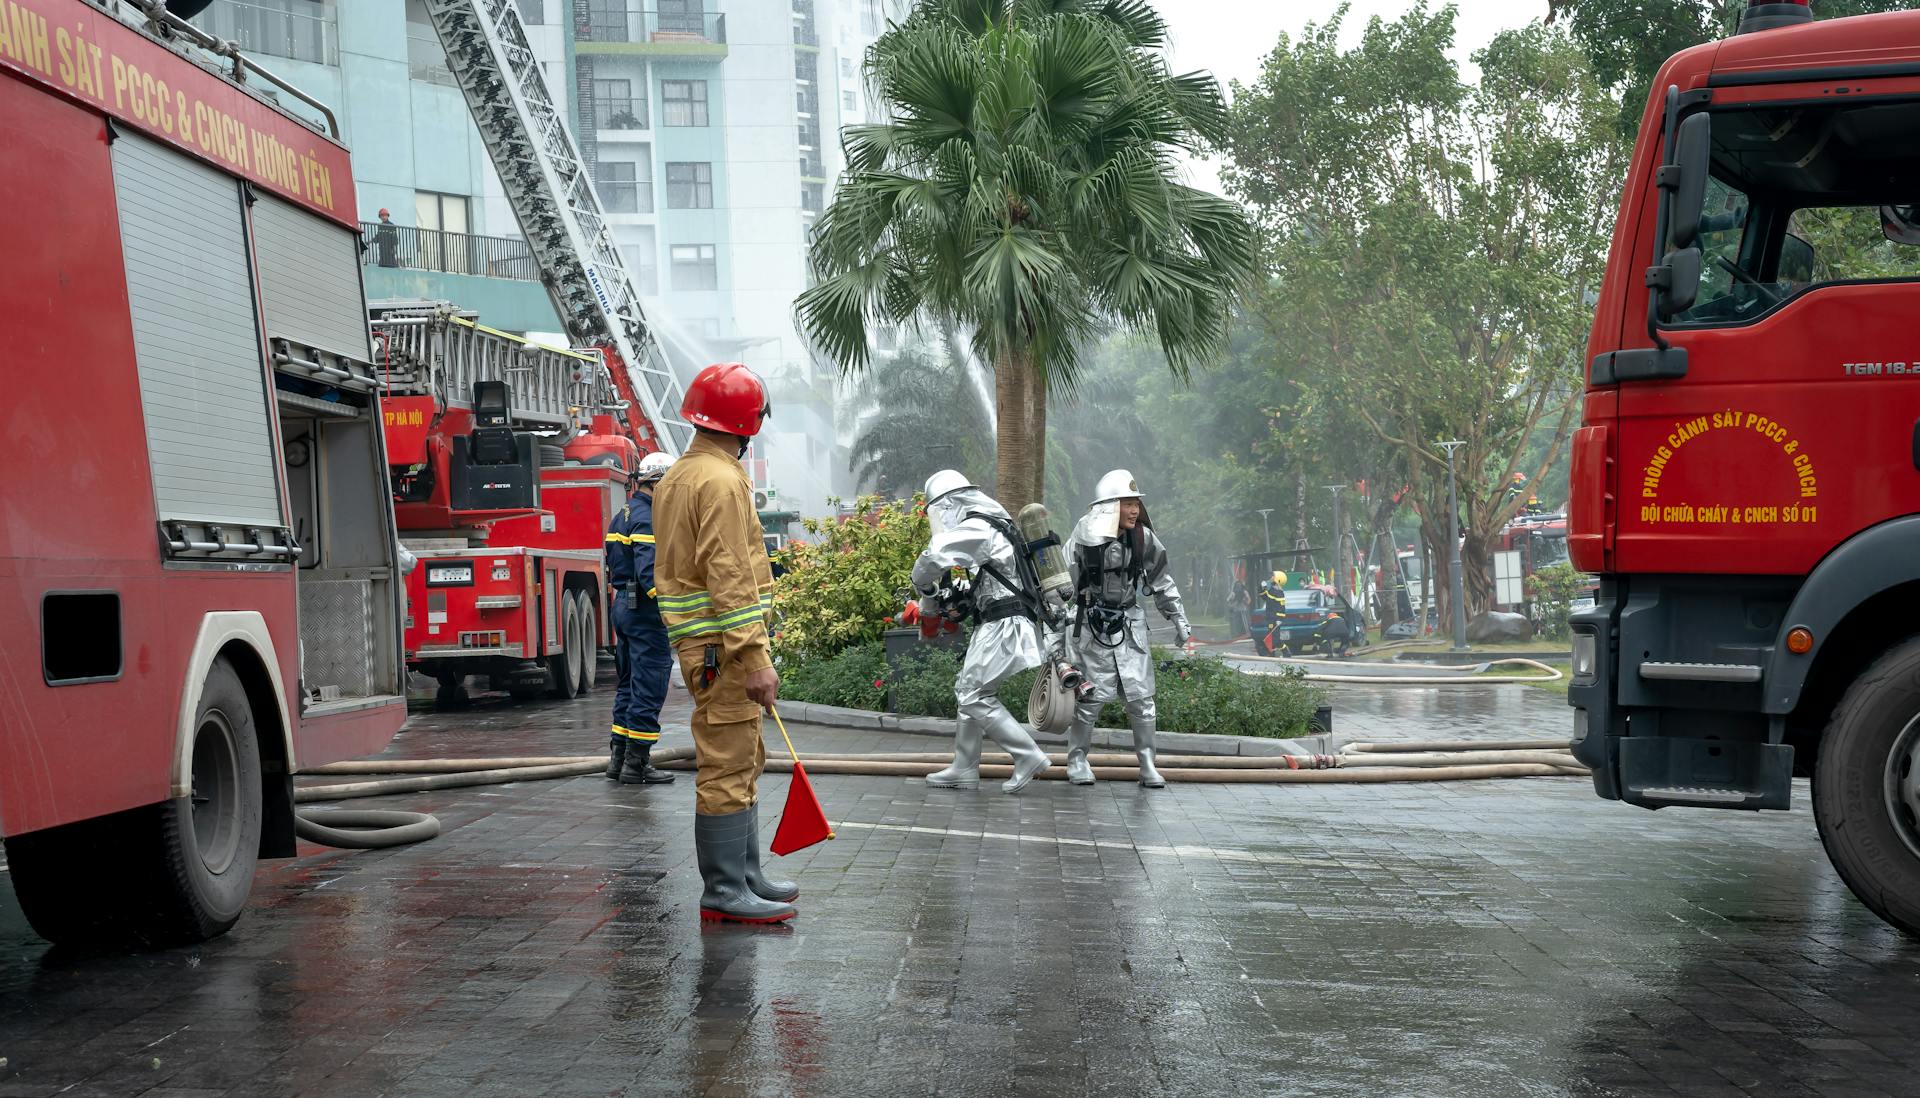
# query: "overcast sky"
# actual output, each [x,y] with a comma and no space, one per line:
[1233,37]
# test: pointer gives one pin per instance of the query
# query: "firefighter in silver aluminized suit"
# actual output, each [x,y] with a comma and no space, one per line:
[1115,559]
[969,532]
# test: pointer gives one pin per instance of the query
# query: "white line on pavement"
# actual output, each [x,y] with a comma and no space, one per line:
[1054,840]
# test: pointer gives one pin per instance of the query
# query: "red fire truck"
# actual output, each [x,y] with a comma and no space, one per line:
[509,460]
[1747,479]
[199,583]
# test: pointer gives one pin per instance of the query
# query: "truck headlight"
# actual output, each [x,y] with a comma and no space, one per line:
[1586,648]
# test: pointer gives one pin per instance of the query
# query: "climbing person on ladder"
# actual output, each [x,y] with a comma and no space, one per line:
[641,655]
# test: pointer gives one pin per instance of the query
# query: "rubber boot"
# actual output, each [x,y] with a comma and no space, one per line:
[1014,739]
[1079,741]
[1143,750]
[723,845]
[965,771]
[617,754]
[639,768]
[763,886]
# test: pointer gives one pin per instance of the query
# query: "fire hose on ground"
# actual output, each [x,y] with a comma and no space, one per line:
[1364,763]
[1472,675]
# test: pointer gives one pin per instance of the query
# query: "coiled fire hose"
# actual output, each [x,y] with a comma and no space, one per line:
[375,830]
[1429,761]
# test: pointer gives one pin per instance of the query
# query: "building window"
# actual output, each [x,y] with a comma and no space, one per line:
[607,21]
[618,183]
[689,186]
[846,68]
[304,30]
[847,102]
[813,197]
[426,57]
[615,108]
[694,267]
[683,16]
[533,12]
[442,221]
[683,102]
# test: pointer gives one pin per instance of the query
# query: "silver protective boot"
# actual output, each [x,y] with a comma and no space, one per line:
[965,771]
[1143,750]
[767,888]
[1079,741]
[1028,759]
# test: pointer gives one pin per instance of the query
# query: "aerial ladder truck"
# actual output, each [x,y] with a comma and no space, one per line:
[507,458]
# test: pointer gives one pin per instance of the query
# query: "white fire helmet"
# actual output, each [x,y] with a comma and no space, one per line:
[943,512]
[1115,486]
[653,467]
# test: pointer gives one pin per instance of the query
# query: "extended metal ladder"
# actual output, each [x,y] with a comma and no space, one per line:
[430,348]
[547,185]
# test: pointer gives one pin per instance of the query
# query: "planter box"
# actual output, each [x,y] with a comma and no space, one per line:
[1323,720]
[899,642]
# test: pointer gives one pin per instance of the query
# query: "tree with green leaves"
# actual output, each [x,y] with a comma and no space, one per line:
[915,412]
[1628,40]
[1435,245]
[1023,189]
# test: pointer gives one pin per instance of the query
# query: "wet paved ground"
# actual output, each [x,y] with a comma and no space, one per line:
[1512,938]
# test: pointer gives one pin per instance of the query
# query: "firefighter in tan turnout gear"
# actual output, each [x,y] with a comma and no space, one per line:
[715,589]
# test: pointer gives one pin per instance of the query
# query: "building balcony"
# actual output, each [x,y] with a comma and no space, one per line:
[624,196]
[639,32]
[408,248]
[617,116]
[273,30]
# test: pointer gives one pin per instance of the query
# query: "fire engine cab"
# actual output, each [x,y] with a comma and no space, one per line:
[1747,480]
[199,577]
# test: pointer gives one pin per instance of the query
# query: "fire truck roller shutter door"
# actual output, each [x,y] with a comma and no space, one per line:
[202,381]
[309,279]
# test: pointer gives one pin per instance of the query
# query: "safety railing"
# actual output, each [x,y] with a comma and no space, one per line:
[620,114]
[612,24]
[275,30]
[403,246]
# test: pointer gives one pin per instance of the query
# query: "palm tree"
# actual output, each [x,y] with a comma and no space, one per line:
[1024,190]
[917,411]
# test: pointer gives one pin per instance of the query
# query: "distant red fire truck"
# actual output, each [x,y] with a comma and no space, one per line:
[199,583]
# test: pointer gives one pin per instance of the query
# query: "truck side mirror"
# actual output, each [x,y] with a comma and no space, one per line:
[1900,224]
[1682,180]
[1690,159]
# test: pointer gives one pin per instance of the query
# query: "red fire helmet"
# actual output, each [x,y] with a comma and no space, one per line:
[727,397]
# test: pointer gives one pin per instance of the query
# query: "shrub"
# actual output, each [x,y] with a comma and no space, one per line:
[1197,694]
[845,588]
[1553,589]
[855,677]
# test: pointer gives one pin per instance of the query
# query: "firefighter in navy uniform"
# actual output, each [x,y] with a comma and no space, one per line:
[643,657]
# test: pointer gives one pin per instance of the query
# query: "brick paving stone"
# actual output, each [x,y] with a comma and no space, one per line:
[1478,939]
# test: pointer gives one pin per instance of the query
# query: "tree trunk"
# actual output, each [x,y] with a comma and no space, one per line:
[1014,462]
[1037,437]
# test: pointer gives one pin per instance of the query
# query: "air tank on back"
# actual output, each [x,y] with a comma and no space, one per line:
[1055,581]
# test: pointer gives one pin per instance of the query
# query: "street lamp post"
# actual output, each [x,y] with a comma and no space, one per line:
[1264,512]
[1339,543]
[1459,580]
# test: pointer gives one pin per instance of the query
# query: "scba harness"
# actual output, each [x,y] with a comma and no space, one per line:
[1107,621]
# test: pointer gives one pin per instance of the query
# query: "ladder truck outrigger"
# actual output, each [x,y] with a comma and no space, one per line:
[508,458]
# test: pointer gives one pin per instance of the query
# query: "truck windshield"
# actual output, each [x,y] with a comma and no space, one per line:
[1794,203]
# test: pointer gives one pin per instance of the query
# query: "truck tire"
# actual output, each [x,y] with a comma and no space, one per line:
[589,642]
[452,693]
[164,874]
[563,667]
[1866,788]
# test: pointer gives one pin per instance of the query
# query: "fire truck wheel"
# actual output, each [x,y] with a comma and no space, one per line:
[589,642]
[452,693]
[210,839]
[1866,788]
[563,667]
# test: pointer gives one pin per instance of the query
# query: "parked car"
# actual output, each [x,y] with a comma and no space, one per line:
[1314,618]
